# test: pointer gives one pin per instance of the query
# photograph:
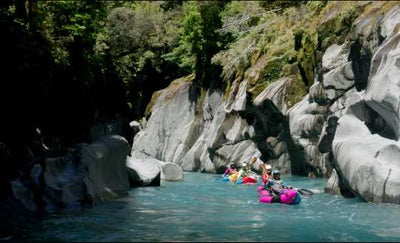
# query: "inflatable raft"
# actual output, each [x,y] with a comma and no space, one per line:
[244,180]
[286,196]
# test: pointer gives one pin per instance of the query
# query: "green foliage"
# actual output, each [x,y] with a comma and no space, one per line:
[239,16]
[190,40]
[273,4]
[284,42]
[307,60]
[64,22]
[336,29]
[139,35]
[272,69]
[200,39]
[113,55]
[104,58]
[296,90]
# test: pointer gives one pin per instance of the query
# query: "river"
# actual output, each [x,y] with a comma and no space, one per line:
[204,208]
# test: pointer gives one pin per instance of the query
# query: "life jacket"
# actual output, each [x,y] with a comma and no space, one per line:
[277,185]
[233,177]
[265,177]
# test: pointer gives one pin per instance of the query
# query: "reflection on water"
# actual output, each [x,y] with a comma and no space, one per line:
[204,208]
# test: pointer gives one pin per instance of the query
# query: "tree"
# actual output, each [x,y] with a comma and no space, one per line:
[201,40]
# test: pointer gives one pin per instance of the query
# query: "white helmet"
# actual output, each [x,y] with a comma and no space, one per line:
[244,164]
[268,167]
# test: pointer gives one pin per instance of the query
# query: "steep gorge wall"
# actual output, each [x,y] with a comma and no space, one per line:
[209,134]
[348,123]
[345,128]
[266,73]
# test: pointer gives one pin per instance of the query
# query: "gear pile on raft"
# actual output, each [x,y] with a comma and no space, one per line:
[271,189]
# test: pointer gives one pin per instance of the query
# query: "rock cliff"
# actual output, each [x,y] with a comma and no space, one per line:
[346,127]
[212,132]
[349,120]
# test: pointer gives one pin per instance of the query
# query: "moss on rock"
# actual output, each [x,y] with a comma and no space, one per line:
[168,93]
[296,90]
[289,42]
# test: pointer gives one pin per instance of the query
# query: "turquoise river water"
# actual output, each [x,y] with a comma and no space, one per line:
[204,208]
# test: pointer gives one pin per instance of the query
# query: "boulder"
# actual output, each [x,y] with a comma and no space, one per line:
[171,171]
[24,195]
[105,161]
[89,173]
[279,149]
[64,181]
[334,57]
[135,126]
[337,81]
[143,172]
[367,161]
[317,94]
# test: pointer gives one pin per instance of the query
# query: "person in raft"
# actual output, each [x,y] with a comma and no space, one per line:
[266,172]
[244,175]
[277,184]
[273,191]
[230,170]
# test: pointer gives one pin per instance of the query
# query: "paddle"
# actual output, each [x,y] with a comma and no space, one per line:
[304,192]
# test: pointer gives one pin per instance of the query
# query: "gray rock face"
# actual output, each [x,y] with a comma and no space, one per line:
[366,142]
[383,90]
[334,57]
[135,126]
[64,180]
[89,173]
[338,81]
[24,195]
[213,132]
[145,171]
[202,138]
[275,92]
[306,121]
[361,124]
[332,185]
[105,162]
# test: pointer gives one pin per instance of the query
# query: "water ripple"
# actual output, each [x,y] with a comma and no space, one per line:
[204,208]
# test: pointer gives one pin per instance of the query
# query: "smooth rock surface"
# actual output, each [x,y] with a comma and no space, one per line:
[24,195]
[105,161]
[205,138]
[366,142]
[333,57]
[143,172]
[276,92]
[332,185]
